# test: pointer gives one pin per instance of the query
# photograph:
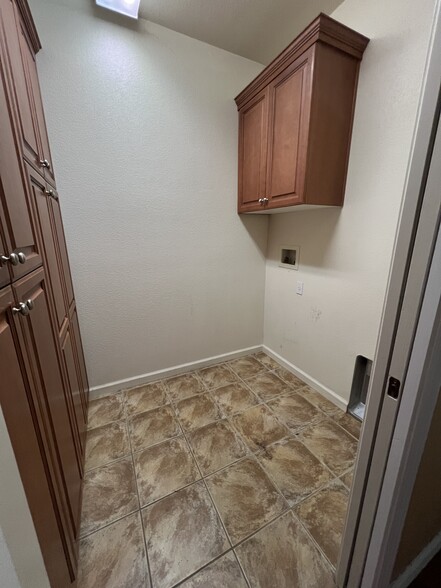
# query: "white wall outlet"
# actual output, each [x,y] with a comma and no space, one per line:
[299,288]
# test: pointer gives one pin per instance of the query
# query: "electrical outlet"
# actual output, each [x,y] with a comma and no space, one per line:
[299,288]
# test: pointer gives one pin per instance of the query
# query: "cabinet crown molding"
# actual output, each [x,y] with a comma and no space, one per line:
[323,29]
[28,21]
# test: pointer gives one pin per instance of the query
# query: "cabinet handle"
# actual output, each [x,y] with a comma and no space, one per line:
[24,308]
[265,200]
[261,201]
[52,194]
[45,163]
[13,258]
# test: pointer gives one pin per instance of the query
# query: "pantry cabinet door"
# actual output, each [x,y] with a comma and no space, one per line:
[17,395]
[42,342]
[19,232]
[289,106]
[253,131]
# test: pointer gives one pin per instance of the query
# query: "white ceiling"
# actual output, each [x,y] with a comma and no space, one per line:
[257,29]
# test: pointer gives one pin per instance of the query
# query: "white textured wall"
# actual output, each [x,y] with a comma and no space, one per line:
[143,129]
[345,254]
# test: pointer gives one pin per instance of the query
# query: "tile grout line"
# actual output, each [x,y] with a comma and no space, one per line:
[149,571]
[314,542]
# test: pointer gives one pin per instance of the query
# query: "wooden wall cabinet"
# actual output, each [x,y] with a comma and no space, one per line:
[44,391]
[295,122]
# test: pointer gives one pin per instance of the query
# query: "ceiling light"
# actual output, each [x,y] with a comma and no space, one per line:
[126,7]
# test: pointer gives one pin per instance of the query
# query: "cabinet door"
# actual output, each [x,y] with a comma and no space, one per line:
[30,68]
[19,83]
[78,347]
[16,396]
[73,381]
[41,202]
[42,343]
[253,127]
[19,233]
[61,241]
[289,105]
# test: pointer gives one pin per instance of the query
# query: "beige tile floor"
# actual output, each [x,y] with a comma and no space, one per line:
[232,476]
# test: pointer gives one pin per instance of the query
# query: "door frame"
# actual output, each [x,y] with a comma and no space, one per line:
[414,245]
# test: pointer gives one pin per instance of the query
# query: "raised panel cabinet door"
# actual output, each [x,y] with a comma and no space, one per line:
[19,231]
[5,276]
[49,244]
[61,242]
[16,398]
[30,68]
[289,106]
[42,345]
[74,386]
[78,348]
[253,129]
[19,83]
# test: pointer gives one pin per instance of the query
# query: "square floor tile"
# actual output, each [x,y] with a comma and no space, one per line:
[153,426]
[217,375]
[290,378]
[347,478]
[296,412]
[267,361]
[197,411]
[183,533]
[164,468]
[323,514]
[225,572]
[268,385]
[282,555]
[245,498]
[246,367]
[349,423]
[105,444]
[109,493]
[145,398]
[105,410]
[294,469]
[184,386]
[319,401]
[234,398]
[114,557]
[216,446]
[331,444]
[259,427]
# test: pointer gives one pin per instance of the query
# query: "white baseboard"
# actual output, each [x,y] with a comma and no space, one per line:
[324,391]
[418,564]
[111,387]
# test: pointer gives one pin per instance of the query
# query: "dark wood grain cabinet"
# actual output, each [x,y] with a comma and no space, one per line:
[295,122]
[44,390]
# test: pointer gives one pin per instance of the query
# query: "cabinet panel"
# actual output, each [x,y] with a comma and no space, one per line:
[42,345]
[19,231]
[61,241]
[288,133]
[16,395]
[74,387]
[30,68]
[253,125]
[41,202]
[78,347]
[20,87]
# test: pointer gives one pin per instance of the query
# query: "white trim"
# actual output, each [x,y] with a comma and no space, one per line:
[111,387]
[418,564]
[323,390]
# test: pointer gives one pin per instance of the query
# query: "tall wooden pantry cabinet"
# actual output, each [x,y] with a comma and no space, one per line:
[44,387]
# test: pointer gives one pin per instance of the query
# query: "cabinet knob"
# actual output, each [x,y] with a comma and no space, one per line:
[13,258]
[45,163]
[24,308]
[52,194]
[261,200]
[265,200]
